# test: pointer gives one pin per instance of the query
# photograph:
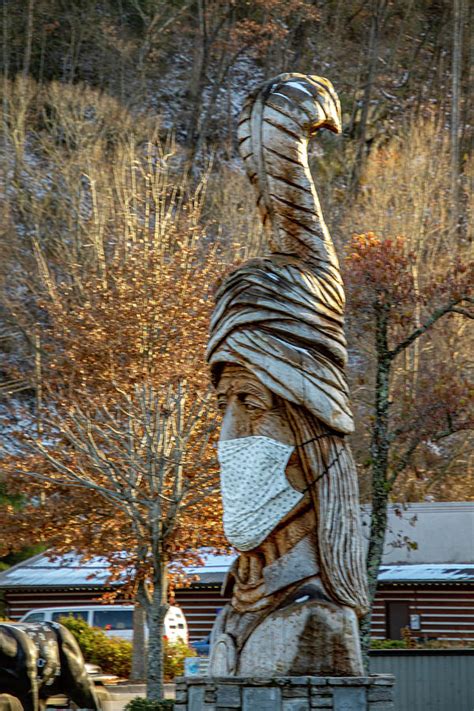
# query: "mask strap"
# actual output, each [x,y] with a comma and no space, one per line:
[314,439]
[328,467]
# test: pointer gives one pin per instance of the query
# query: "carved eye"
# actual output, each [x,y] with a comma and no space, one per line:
[249,402]
[252,406]
[221,402]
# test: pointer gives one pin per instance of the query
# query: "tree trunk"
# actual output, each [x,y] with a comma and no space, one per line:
[455,108]
[379,453]
[199,136]
[198,79]
[139,652]
[378,13]
[29,37]
[157,609]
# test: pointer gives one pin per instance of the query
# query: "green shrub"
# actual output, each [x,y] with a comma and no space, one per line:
[421,643]
[388,644]
[113,655]
[140,704]
[445,644]
[174,656]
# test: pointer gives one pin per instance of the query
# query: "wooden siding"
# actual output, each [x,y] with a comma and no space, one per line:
[200,607]
[20,602]
[446,611]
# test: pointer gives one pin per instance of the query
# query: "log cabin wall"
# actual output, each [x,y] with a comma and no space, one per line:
[446,611]
[19,602]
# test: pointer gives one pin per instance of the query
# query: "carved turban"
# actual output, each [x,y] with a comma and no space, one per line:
[283,321]
[281,316]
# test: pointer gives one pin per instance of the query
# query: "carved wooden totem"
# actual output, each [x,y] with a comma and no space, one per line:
[277,353]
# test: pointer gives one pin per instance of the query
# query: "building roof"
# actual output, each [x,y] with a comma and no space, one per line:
[62,571]
[217,566]
[426,573]
[425,542]
[70,572]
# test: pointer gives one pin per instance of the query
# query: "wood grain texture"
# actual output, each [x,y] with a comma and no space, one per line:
[277,345]
[276,124]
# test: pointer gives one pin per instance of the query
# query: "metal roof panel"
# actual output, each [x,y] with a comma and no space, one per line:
[69,571]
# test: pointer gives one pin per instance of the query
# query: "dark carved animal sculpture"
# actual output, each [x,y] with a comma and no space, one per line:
[39,660]
[9,703]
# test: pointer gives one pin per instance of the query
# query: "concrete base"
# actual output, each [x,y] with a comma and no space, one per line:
[294,693]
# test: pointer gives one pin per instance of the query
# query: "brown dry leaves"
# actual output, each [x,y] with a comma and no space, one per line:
[431,394]
[123,311]
[147,321]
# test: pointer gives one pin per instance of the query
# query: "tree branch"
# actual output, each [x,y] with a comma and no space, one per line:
[404,461]
[435,316]
[463,312]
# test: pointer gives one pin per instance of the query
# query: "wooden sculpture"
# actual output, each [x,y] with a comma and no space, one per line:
[39,660]
[277,354]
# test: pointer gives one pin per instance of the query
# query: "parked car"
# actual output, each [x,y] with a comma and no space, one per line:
[202,646]
[115,620]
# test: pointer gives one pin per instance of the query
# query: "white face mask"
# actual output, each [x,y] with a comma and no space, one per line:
[255,492]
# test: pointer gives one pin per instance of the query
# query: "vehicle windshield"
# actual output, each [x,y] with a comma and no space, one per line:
[34,617]
[77,614]
[113,619]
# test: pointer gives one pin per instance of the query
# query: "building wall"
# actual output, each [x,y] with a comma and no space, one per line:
[200,607]
[20,602]
[428,680]
[443,532]
[446,612]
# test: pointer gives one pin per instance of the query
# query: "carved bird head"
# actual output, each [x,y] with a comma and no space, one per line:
[276,123]
[328,100]
[309,98]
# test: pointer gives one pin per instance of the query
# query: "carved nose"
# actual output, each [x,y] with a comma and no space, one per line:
[235,423]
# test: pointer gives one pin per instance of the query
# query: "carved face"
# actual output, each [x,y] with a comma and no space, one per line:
[251,409]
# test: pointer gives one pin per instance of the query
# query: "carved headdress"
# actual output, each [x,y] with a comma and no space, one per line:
[281,316]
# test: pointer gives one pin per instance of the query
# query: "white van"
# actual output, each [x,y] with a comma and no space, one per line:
[114,620]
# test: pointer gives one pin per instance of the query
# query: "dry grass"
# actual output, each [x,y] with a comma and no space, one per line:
[85,185]
[84,181]
[406,190]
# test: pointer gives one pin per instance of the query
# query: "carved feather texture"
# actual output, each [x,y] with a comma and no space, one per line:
[275,126]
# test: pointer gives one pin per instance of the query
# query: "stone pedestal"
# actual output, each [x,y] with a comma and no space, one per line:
[295,693]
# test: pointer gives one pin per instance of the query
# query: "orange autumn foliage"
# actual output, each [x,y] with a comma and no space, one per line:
[378,273]
[139,326]
[148,319]
[427,392]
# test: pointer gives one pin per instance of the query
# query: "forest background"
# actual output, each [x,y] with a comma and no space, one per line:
[124,201]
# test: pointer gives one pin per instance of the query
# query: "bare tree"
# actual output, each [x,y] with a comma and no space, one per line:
[136,455]
[157,17]
[383,297]
[458,21]
[378,17]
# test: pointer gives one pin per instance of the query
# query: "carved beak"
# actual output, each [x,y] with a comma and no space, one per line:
[329,103]
[334,124]
[332,114]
